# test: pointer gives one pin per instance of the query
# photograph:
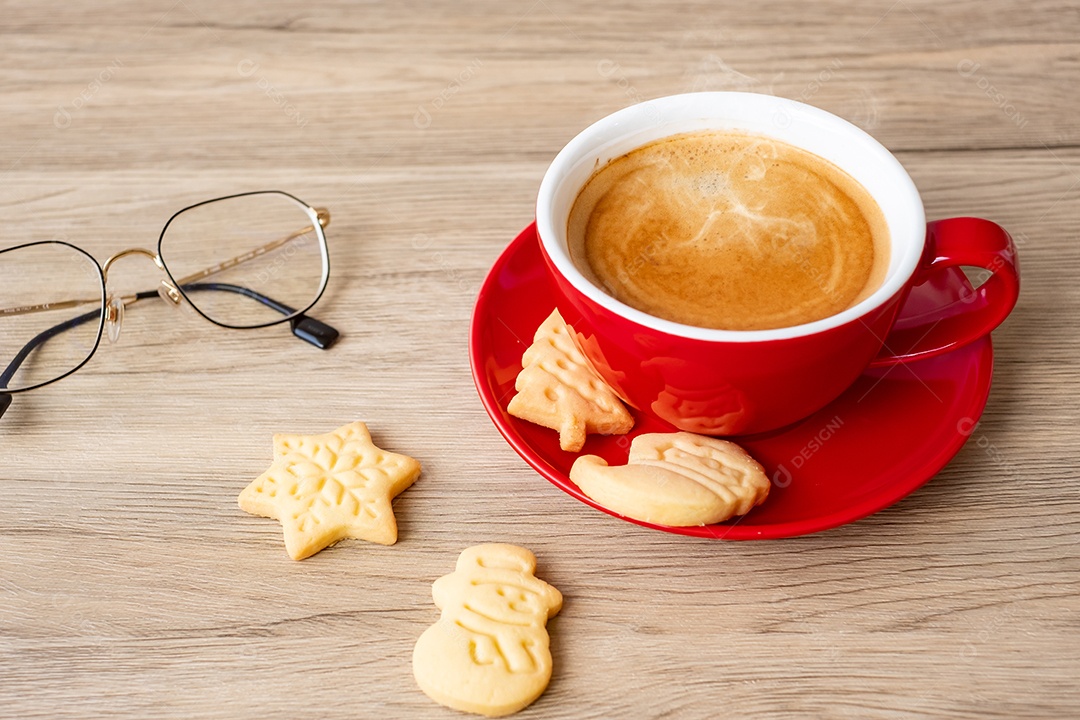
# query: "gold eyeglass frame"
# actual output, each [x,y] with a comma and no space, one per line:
[171,289]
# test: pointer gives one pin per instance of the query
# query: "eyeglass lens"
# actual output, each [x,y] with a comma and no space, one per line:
[248,260]
[50,312]
[243,261]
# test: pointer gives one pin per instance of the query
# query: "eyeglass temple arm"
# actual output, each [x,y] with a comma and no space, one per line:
[322,214]
[306,328]
[37,340]
[41,338]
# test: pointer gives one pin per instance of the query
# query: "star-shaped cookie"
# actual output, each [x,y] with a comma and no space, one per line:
[324,488]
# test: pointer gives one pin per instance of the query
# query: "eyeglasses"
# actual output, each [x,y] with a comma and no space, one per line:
[243,261]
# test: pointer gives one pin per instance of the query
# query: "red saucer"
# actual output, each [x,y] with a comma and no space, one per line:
[892,431]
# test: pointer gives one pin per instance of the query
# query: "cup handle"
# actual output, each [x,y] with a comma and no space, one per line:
[952,243]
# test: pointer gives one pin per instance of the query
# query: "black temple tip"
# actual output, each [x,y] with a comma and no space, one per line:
[312,331]
[5,402]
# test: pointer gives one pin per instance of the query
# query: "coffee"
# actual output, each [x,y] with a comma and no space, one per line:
[729,230]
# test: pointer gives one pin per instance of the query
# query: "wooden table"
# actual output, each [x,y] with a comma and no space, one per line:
[132,586]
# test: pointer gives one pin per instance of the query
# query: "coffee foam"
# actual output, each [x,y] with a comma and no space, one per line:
[729,230]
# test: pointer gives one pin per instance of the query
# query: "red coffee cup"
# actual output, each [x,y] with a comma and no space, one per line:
[729,382]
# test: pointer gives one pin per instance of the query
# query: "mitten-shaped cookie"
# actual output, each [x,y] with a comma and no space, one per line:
[676,479]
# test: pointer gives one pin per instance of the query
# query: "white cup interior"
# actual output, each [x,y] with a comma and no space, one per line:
[795,123]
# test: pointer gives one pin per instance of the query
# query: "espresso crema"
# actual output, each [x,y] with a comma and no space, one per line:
[730,231]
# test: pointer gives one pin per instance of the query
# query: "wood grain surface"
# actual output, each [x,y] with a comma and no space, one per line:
[131,586]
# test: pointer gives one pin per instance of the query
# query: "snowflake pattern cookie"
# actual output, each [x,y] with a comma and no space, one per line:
[324,488]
